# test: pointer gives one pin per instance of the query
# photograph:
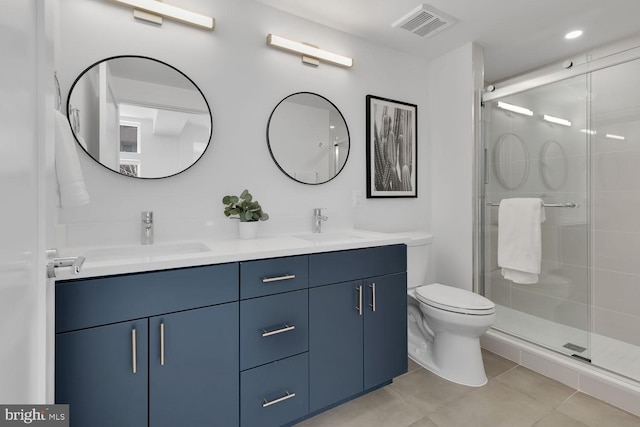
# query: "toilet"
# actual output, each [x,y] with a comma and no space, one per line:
[444,322]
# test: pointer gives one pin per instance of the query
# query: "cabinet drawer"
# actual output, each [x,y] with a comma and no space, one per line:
[275,394]
[344,266]
[273,327]
[98,301]
[272,276]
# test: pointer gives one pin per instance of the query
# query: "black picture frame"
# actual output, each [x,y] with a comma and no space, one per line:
[392,148]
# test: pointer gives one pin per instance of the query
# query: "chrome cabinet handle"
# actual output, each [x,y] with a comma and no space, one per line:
[359,307]
[278,400]
[286,328]
[134,351]
[162,344]
[373,297]
[278,278]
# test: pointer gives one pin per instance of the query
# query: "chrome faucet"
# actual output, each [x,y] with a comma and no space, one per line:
[317,220]
[147,228]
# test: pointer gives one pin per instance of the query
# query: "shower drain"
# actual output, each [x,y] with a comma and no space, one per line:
[574,347]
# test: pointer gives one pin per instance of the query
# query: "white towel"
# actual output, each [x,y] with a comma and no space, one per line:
[520,239]
[71,186]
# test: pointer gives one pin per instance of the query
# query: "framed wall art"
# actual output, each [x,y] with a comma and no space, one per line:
[392,136]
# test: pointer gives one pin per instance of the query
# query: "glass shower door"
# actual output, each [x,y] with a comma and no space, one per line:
[615,241]
[537,145]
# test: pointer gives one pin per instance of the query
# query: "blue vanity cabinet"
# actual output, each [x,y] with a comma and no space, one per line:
[185,348]
[358,328]
[385,329]
[193,367]
[335,344]
[274,341]
[102,373]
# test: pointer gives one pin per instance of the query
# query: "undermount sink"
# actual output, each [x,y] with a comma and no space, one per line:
[145,251]
[338,237]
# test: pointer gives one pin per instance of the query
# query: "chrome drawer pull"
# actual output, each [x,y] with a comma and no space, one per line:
[134,351]
[359,307]
[280,399]
[162,344]
[286,328]
[278,278]
[373,297]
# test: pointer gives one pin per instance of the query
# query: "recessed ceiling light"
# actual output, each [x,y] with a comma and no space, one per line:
[573,34]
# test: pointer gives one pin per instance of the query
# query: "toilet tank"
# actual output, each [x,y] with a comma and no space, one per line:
[418,258]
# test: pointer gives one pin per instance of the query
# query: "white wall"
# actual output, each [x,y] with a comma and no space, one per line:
[26,184]
[453,77]
[243,80]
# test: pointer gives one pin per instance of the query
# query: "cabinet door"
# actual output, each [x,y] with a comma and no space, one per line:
[95,374]
[385,329]
[335,343]
[194,381]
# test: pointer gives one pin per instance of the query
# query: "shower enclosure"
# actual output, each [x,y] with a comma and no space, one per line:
[574,142]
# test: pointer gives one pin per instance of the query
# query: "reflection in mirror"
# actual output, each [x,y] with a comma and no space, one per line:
[511,161]
[554,165]
[308,138]
[139,117]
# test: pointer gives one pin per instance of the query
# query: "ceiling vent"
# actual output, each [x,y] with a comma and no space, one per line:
[424,21]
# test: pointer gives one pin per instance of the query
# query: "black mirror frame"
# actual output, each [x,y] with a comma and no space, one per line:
[151,59]
[269,142]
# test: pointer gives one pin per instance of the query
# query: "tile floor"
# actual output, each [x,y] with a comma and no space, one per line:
[514,396]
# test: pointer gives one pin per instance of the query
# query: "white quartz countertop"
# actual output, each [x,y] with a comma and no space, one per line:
[111,260]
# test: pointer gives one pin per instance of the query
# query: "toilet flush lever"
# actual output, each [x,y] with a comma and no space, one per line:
[75,262]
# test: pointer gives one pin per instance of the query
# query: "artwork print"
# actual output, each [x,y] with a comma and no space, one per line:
[391,148]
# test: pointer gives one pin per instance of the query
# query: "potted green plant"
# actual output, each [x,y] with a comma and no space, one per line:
[247,210]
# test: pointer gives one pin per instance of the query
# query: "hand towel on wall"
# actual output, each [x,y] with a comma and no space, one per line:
[520,239]
[71,186]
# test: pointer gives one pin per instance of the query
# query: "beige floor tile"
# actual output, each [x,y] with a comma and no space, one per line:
[495,365]
[543,389]
[381,408]
[493,405]
[425,422]
[596,413]
[413,366]
[558,419]
[427,391]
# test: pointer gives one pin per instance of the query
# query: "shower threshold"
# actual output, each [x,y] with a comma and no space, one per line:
[607,353]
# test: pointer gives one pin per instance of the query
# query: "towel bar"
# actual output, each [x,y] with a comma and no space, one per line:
[546,205]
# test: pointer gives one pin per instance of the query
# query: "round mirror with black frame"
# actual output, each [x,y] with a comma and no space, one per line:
[308,138]
[139,117]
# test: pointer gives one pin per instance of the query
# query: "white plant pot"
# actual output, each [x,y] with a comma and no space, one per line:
[248,230]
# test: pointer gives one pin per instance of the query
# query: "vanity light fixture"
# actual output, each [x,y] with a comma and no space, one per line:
[515,108]
[153,11]
[618,137]
[310,54]
[556,120]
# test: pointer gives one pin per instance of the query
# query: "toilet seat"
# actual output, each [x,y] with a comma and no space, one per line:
[453,299]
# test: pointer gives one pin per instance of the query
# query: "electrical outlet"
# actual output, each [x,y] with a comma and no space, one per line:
[356,196]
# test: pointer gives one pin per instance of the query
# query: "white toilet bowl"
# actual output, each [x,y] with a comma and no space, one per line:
[446,324]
